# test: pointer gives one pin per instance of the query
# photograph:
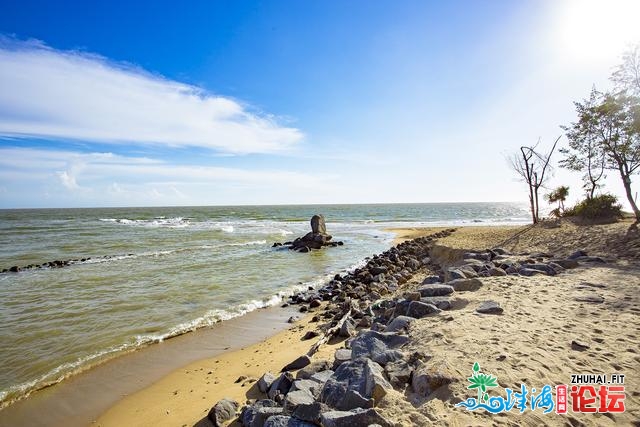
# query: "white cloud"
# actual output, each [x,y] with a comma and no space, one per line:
[105,179]
[49,93]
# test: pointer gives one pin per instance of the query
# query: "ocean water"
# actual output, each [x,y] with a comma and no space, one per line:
[153,273]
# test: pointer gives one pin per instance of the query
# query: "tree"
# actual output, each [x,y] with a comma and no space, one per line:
[584,152]
[626,77]
[559,195]
[532,167]
[609,123]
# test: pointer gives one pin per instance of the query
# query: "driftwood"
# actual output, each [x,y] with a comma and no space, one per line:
[329,333]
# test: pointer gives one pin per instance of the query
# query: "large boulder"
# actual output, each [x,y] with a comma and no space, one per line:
[318,225]
[356,417]
[371,344]
[222,412]
[353,384]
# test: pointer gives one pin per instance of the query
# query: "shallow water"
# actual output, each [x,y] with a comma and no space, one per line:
[159,272]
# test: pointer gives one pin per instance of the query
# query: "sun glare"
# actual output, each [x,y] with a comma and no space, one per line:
[597,30]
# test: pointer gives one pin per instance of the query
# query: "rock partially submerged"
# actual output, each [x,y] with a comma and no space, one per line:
[316,239]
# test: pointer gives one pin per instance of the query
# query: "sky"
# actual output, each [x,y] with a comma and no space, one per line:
[161,103]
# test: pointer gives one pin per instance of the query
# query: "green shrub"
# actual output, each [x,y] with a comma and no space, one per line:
[599,207]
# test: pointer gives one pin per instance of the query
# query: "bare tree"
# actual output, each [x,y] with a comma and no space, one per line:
[626,77]
[532,167]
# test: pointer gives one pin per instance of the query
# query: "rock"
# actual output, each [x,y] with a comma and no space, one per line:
[318,225]
[499,251]
[398,372]
[310,412]
[265,381]
[341,355]
[490,307]
[314,367]
[579,345]
[595,259]
[529,272]
[286,421]
[354,418]
[300,362]
[310,386]
[14,269]
[309,335]
[255,415]
[440,302]
[419,309]
[371,343]
[362,376]
[429,280]
[542,267]
[388,356]
[222,412]
[378,270]
[577,254]
[315,303]
[322,376]
[435,290]
[426,379]
[566,263]
[453,274]
[497,271]
[297,397]
[462,285]
[400,323]
[280,385]
[595,299]
[347,329]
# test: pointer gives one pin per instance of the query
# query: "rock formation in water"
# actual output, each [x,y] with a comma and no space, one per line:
[315,239]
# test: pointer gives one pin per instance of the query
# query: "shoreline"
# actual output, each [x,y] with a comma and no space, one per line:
[81,398]
[156,403]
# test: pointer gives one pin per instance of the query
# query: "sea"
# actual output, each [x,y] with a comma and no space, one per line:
[139,276]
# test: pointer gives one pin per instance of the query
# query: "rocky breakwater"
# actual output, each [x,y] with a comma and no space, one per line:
[344,391]
[316,239]
[372,313]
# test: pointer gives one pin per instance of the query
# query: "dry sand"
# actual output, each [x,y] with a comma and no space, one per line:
[530,343]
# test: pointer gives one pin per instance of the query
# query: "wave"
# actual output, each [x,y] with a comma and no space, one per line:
[160,221]
[210,318]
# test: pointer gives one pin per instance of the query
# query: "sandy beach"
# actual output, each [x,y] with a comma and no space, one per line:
[533,342]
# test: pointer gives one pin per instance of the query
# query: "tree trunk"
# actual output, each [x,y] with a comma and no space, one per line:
[626,179]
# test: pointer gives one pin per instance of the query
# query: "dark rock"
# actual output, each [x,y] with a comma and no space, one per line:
[300,362]
[315,303]
[453,274]
[542,267]
[280,385]
[255,415]
[310,386]
[419,309]
[378,270]
[310,412]
[566,263]
[265,381]
[441,303]
[223,411]
[341,355]
[297,397]
[400,323]
[594,259]
[461,285]
[530,272]
[388,356]
[14,269]
[490,307]
[354,418]
[309,335]
[360,375]
[497,271]
[347,329]
[314,367]
[286,421]
[398,372]
[318,225]
[429,280]
[577,254]
[579,345]
[595,299]
[435,290]
[371,343]
[322,376]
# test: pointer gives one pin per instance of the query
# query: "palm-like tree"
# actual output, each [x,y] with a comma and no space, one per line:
[481,382]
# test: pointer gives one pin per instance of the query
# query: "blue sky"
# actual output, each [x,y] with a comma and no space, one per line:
[238,102]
